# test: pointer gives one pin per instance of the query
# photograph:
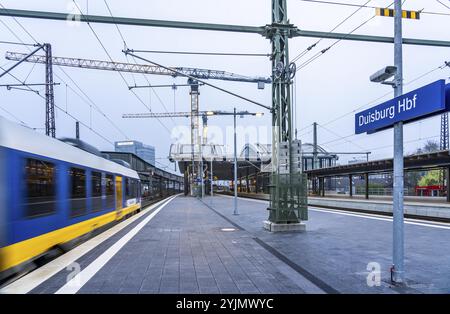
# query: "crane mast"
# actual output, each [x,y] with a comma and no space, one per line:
[92,64]
[139,68]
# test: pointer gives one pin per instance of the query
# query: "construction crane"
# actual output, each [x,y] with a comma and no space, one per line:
[193,73]
[50,126]
[196,171]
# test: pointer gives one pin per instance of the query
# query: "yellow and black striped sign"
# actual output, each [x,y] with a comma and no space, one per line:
[415,15]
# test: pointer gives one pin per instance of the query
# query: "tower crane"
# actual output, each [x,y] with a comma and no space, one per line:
[192,73]
[196,168]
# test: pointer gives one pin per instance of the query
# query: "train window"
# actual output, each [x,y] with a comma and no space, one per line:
[96,185]
[131,188]
[78,195]
[40,188]
[110,193]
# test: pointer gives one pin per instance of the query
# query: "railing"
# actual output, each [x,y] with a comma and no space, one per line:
[360,190]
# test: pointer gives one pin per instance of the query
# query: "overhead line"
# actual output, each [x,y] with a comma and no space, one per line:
[323,51]
[334,28]
[341,137]
[20,25]
[125,47]
[407,142]
[448,7]
[204,53]
[91,102]
[386,94]
[261,30]
[15,43]
[14,116]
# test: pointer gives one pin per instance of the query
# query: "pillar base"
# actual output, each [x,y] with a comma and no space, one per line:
[280,227]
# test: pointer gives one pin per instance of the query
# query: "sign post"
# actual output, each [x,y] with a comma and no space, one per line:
[420,103]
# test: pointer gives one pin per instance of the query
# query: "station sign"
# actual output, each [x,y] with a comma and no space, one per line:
[418,104]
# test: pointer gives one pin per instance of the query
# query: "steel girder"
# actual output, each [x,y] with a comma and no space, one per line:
[261,30]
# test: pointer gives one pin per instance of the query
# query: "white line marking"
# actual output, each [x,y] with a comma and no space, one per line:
[77,282]
[408,221]
[35,278]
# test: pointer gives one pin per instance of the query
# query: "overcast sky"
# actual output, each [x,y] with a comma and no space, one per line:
[332,86]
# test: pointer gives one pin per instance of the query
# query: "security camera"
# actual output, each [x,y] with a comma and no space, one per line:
[383,74]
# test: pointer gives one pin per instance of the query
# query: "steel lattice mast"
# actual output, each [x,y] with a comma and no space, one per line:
[137,68]
[50,121]
[444,131]
[193,73]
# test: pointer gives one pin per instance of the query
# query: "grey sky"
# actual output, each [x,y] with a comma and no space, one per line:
[334,84]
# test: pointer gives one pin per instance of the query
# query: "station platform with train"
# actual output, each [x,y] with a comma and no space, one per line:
[191,245]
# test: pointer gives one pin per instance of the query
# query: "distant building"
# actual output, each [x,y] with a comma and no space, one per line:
[146,152]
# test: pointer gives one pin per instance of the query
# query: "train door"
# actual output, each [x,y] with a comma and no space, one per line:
[119,195]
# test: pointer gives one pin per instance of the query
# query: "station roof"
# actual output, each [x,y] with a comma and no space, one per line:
[412,162]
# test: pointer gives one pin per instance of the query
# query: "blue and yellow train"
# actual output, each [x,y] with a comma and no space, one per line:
[53,194]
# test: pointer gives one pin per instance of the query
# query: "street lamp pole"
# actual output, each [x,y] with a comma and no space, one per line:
[236,212]
[202,190]
[234,113]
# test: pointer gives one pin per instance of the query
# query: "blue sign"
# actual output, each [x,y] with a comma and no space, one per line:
[417,104]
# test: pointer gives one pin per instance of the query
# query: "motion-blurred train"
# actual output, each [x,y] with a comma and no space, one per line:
[53,195]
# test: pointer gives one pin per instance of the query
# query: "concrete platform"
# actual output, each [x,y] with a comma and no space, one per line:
[185,245]
[276,227]
[338,247]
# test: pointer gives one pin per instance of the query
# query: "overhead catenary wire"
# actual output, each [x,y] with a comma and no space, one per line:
[90,102]
[199,80]
[447,6]
[5,42]
[341,137]
[323,51]
[111,59]
[21,26]
[125,47]
[14,116]
[300,55]
[67,113]
[386,94]
[446,64]
[407,142]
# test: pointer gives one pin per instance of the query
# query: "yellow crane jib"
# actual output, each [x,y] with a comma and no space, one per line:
[415,15]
